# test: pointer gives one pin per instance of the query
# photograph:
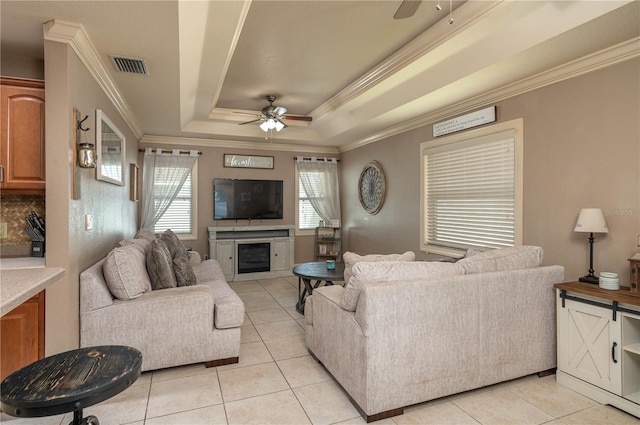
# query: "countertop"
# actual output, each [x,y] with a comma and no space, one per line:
[19,284]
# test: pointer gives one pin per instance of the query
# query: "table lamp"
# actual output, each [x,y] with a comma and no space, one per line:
[591,220]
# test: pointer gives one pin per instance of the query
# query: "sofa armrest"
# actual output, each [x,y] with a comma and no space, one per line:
[195,257]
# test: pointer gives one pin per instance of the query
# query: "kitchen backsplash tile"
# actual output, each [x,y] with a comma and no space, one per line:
[13,210]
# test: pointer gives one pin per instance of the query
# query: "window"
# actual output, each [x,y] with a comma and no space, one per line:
[308,218]
[471,190]
[180,217]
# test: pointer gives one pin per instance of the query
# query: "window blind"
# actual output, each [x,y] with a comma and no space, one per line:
[179,215]
[308,218]
[470,193]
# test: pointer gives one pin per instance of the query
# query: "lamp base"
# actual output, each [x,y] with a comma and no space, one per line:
[590,279]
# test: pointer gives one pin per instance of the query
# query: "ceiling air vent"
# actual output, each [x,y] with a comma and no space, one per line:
[130,65]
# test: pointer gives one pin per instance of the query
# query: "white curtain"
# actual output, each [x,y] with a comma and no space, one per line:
[319,177]
[163,175]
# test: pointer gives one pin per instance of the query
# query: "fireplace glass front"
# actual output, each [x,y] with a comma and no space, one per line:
[254,257]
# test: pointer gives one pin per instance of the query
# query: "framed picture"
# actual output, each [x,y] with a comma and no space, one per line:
[247,161]
[110,146]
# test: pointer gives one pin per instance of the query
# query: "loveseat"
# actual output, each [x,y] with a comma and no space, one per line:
[171,325]
[401,333]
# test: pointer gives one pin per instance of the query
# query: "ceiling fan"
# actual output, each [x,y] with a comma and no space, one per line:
[273,117]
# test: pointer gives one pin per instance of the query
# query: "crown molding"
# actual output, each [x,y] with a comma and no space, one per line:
[77,38]
[607,57]
[232,144]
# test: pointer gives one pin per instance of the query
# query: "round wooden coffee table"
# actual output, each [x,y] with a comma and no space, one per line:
[70,381]
[318,272]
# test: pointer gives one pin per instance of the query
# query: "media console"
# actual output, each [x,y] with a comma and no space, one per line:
[252,252]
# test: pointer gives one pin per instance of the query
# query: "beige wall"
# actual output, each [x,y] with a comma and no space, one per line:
[581,149]
[210,166]
[68,84]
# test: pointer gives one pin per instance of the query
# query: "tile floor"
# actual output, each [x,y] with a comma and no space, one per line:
[278,382]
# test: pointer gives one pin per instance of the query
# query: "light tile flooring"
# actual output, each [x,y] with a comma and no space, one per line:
[278,382]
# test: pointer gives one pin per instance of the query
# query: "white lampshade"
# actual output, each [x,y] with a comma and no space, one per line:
[591,220]
[279,126]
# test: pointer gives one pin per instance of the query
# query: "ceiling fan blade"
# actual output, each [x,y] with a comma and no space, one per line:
[407,9]
[297,118]
[249,122]
[279,110]
[247,113]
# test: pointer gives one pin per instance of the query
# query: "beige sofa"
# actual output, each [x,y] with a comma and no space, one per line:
[171,327]
[401,333]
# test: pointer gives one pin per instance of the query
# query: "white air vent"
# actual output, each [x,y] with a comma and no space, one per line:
[130,65]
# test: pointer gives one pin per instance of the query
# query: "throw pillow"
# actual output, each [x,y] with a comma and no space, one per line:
[503,259]
[173,243]
[351,258]
[145,234]
[125,273]
[365,273]
[142,244]
[183,270]
[159,266]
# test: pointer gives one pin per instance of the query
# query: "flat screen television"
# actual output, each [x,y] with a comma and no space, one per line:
[235,199]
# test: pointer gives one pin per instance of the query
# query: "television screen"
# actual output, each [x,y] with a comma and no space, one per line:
[247,199]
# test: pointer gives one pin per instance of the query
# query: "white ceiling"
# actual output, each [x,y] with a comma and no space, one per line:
[360,74]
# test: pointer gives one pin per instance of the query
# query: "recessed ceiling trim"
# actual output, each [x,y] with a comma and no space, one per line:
[76,37]
[467,14]
[622,52]
[232,144]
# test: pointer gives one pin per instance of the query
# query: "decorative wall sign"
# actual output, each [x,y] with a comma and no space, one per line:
[464,122]
[247,161]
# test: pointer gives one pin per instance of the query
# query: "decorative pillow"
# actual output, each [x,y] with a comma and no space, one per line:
[145,234]
[511,258]
[173,243]
[183,270]
[159,266]
[125,273]
[142,244]
[351,258]
[365,273]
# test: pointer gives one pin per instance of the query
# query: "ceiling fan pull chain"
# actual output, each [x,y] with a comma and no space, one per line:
[450,12]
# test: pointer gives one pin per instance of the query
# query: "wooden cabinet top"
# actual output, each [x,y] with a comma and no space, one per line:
[623,295]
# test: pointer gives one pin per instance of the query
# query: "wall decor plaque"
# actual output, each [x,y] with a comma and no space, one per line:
[247,161]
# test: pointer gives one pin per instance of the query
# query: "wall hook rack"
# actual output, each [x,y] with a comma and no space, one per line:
[79,124]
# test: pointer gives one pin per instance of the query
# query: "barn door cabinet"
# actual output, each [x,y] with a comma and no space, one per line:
[599,344]
[22,145]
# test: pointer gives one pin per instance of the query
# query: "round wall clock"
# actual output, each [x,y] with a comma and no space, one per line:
[371,187]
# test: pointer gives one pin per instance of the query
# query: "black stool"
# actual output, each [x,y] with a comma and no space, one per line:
[70,381]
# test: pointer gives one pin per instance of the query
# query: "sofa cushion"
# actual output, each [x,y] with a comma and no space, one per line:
[393,271]
[351,258]
[503,259]
[183,270]
[125,273]
[160,266]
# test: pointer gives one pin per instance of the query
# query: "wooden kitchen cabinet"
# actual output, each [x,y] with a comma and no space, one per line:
[22,149]
[22,335]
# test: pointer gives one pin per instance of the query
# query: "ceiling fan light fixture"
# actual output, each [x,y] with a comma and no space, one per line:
[279,125]
[264,126]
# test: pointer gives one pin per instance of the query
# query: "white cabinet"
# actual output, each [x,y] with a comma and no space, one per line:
[280,255]
[599,344]
[225,255]
[253,252]
[588,345]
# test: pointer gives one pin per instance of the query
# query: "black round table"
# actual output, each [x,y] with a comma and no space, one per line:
[70,381]
[317,271]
